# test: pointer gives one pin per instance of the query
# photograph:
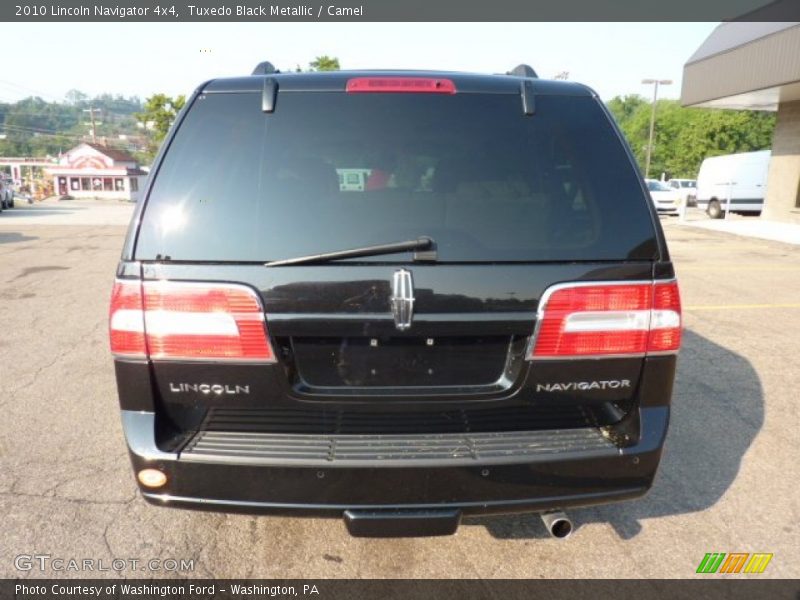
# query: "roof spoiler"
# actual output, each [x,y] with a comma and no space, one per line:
[523,70]
[526,90]
[265,68]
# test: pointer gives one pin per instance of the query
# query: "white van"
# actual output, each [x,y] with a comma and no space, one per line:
[743,176]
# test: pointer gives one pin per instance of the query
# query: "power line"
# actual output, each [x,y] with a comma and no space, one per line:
[30,128]
[27,111]
[47,135]
[33,127]
[53,136]
[33,132]
[11,84]
[62,101]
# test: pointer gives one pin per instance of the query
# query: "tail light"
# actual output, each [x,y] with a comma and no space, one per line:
[431,85]
[126,320]
[167,320]
[618,319]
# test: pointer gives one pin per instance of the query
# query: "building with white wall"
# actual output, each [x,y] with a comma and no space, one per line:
[95,171]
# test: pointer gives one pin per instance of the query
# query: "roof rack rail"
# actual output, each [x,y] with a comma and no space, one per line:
[523,70]
[265,68]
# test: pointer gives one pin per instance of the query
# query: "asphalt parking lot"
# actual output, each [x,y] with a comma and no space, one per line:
[728,480]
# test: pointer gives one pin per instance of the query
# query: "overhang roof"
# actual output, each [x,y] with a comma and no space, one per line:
[745,65]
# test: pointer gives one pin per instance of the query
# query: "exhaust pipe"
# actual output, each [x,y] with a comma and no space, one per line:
[557,524]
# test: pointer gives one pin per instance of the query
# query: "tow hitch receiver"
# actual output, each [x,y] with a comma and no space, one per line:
[401,523]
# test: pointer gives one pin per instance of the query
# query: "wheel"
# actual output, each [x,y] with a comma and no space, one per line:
[714,210]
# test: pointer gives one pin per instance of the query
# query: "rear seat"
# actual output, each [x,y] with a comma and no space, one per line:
[506,209]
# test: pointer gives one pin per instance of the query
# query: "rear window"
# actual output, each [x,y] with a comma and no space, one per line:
[330,171]
[657,186]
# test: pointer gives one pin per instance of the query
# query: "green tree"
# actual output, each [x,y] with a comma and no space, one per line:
[686,136]
[157,117]
[324,63]
[159,113]
[622,107]
[76,97]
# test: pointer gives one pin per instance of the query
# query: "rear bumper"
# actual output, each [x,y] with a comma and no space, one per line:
[476,482]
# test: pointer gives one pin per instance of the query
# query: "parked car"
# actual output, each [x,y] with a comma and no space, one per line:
[6,194]
[483,330]
[738,181]
[687,188]
[666,199]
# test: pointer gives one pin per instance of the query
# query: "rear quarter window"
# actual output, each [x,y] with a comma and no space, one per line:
[329,171]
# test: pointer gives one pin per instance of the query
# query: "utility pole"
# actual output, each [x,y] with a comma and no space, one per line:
[656,83]
[91,112]
[33,183]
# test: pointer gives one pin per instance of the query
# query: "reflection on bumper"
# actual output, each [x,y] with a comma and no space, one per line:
[497,507]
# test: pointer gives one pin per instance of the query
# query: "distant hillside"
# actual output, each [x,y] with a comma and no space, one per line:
[35,127]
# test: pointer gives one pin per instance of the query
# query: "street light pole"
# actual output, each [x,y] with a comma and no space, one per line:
[656,83]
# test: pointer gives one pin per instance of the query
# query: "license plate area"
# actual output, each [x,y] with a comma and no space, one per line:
[371,362]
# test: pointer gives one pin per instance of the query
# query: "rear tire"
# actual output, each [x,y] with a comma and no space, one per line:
[714,209]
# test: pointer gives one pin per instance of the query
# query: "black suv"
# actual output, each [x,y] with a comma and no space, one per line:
[395,297]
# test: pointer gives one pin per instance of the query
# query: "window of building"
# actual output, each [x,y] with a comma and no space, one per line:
[108,185]
[134,184]
[74,184]
[86,184]
[119,184]
[97,184]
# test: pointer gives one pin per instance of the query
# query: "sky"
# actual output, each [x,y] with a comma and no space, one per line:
[49,59]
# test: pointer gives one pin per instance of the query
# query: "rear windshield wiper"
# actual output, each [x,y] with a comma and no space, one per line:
[422,243]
